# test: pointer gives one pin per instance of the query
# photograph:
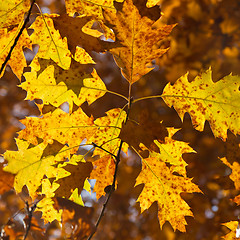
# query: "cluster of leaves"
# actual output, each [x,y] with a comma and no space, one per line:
[50,161]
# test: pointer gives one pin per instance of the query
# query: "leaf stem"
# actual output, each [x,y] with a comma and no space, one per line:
[108,91]
[17,38]
[148,97]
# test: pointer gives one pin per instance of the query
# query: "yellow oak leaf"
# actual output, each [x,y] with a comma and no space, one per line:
[51,45]
[171,152]
[58,125]
[162,186]
[73,128]
[103,171]
[107,137]
[30,164]
[218,102]
[49,213]
[17,60]
[54,85]
[137,37]
[235,175]
[76,198]
[12,12]
[233,226]
[89,8]
[152,3]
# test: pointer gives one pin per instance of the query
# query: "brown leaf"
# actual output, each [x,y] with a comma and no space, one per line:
[145,132]
[6,180]
[71,28]
[79,217]
[76,180]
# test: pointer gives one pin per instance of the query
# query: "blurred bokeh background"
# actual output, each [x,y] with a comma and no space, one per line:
[207,34]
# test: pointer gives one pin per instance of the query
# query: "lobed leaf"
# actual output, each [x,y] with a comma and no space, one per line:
[54,85]
[89,7]
[233,225]
[73,128]
[204,100]
[30,164]
[17,60]
[137,37]
[103,172]
[12,12]
[51,45]
[162,186]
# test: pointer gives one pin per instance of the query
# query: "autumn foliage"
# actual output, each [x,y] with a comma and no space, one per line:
[130,124]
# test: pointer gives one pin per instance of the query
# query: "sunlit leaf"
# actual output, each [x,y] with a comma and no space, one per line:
[17,60]
[51,45]
[137,36]
[164,187]
[204,100]
[12,12]
[54,85]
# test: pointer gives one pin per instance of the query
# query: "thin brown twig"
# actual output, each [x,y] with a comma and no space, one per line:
[17,37]
[30,211]
[112,189]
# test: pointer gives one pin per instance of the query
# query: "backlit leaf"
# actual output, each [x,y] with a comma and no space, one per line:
[76,178]
[51,45]
[204,100]
[49,213]
[89,8]
[103,171]
[72,29]
[162,186]
[12,12]
[54,85]
[17,60]
[6,180]
[151,3]
[171,151]
[233,227]
[30,164]
[137,36]
[73,128]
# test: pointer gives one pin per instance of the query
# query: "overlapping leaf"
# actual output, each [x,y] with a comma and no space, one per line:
[12,12]
[103,172]
[233,227]
[73,128]
[162,186]
[151,3]
[17,60]
[89,8]
[6,180]
[30,164]
[76,178]
[49,213]
[137,36]
[54,85]
[51,45]
[72,29]
[204,100]
[171,151]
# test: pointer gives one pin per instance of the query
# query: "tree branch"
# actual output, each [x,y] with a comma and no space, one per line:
[30,211]
[112,189]
[17,38]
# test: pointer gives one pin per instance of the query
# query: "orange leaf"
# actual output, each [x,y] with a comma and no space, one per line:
[137,36]
[103,171]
